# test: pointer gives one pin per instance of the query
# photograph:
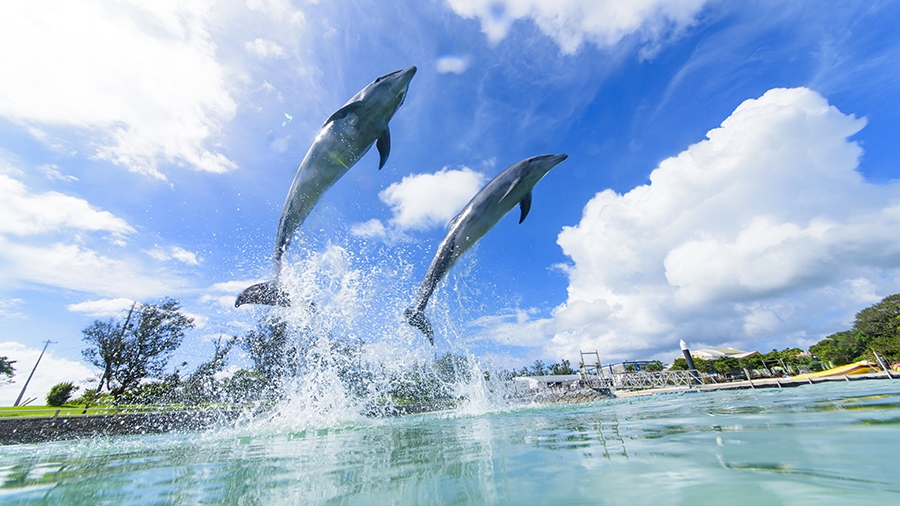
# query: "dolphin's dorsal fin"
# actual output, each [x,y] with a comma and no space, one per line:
[452,221]
[344,111]
[525,205]
[510,188]
[384,146]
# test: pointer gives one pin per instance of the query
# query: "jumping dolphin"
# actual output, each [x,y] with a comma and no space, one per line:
[512,186]
[344,138]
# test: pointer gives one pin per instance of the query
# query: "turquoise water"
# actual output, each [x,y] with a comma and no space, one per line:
[816,444]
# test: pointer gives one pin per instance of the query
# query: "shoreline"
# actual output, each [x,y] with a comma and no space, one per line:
[43,429]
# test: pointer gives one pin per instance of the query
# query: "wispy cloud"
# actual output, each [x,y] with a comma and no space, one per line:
[52,172]
[102,307]
[571,23]
[143,78]
[264,48]
[175,253]
[27,213]
[8,308]
[51,239]
[75,267]
[281,10]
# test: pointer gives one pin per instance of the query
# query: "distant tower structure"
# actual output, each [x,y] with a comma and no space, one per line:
[690,361]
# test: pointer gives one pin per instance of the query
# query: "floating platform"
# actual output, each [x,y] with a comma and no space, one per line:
[792,381]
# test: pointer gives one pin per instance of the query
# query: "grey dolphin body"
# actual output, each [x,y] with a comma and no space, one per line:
[511,187]
[344,138]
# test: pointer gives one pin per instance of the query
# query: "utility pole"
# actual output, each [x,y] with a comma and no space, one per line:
[121,336]
[19,399]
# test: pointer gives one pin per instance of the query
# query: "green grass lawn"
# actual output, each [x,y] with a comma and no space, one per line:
[70,410]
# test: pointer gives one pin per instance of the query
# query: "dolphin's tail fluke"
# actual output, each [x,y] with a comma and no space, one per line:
[418,320]
[269,293]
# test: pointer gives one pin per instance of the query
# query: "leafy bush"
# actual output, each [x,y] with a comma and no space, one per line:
[60,393]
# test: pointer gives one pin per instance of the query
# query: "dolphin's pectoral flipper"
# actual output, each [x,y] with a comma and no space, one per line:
[343,112]
[269,293]
[525,206]
[418,320]
[384,146]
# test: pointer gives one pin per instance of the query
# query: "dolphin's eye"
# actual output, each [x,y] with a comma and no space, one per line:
[379,79]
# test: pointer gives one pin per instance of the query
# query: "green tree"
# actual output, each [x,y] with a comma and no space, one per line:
[751,362]
[452,368]
[879,320]
[726,365]
[6,368]
[272,348]
[840,348]
[130,352]
[654,366]
[702,365]
[201,385]
[874,329]
[538,369]
[705,366]
[562,368]
[60,393]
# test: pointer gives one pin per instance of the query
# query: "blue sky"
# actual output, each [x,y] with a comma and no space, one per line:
[731,177]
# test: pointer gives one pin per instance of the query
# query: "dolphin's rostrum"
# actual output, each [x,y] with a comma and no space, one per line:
[511,187]
[344,138]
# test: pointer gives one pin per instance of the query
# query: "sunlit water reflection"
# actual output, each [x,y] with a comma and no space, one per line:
[821,444]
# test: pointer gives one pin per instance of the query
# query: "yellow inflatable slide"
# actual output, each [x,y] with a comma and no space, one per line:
[861,367]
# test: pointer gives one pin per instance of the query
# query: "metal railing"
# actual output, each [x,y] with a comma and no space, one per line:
[639,380]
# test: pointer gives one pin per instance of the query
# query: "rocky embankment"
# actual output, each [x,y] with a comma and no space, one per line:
[40,430]
[572,396]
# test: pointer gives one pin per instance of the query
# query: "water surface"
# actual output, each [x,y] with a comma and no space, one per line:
[815,444]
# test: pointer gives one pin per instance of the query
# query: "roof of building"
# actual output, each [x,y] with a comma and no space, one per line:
[714,353]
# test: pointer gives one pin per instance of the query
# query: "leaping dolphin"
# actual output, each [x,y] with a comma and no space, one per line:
[344,138]
[511,187]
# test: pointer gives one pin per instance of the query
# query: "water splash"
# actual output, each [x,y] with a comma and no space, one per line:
[356,360]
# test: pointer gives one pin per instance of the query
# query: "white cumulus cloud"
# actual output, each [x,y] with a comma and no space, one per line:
[372,229]
[744,237]
[140,77]
[50,371]
[573,22]
[421,201]
[452,64]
